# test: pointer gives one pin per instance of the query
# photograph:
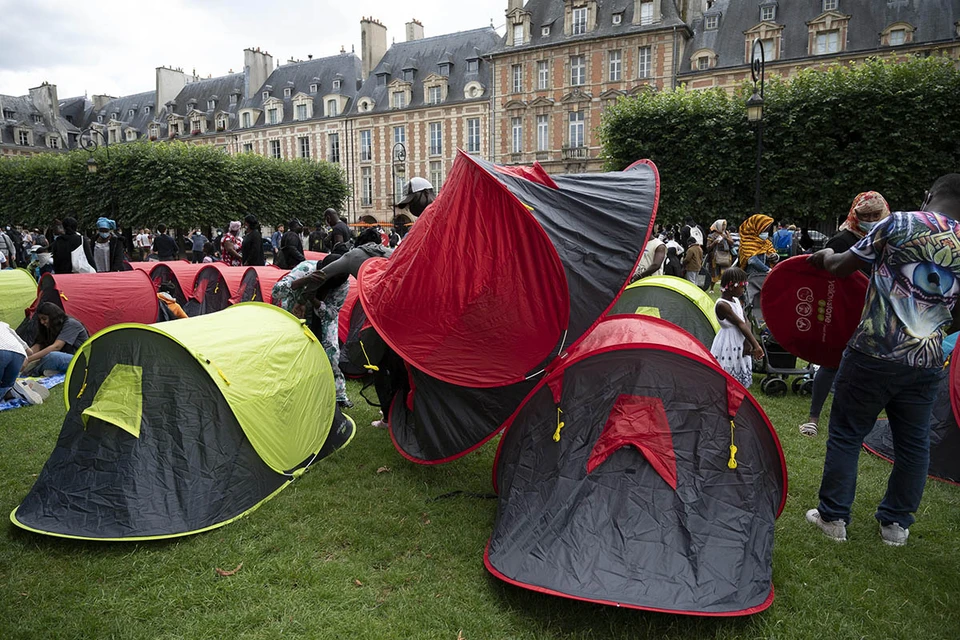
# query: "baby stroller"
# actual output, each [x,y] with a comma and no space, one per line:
[778,364]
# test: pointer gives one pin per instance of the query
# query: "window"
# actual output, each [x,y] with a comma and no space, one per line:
[643,62]
[333,144]
[275,149]
[195,125]
[615,65]
[287,92]
[646,11]
[768,13]
[436,174]
[399,135]
[579,20]
[23,138]
[146,110]
[898,36]
[473,135]
[516,125]
[336,85]
[154,132]
[331,107]
[828,42]
[233,100]
[265,95]
[38,119]
[211,105]
[543,133]
[517,75]
[578,70]
[473,66]
[381,79]
[436,139]
[543,74]
[711,22]
[576,128]
[301,112]
[304,144]
[246,119]
[830,5]
[399,99]
[366,186]
[617,18]
[248,147]
[99,118]
[703,63]
[544,31]
[221,123]
[366,145]
[130,113]
[313,88]
[518,34]
[271,116]
[54,142]
[408,75]
[112,136]
[445,70]
[435,95]
[113,116]
[769,53]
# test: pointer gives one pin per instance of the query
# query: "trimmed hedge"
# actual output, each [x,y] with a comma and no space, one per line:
[827,135]
[144,184]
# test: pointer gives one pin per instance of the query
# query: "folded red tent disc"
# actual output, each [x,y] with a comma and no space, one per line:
[811,313]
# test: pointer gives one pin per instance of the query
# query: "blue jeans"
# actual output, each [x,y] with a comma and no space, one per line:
[10,364]
[822,385]
[757,264]
[53,361]
[863,387]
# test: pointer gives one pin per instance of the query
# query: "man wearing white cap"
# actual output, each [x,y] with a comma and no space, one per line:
[417,194]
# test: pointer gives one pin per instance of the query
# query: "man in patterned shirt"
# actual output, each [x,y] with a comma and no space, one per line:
[894,360]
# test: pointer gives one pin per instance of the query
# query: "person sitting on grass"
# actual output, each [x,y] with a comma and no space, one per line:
[735,342]
[58,338]
[13,351]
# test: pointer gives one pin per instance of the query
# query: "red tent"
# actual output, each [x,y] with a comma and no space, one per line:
[181,273]
[313,255]
[100,300]
[211,289]
[353,295]
[267,277]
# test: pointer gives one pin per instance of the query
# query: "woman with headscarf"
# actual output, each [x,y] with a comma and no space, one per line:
[108,247]
[230,246]
[756,250]
[867,210]
[719,251]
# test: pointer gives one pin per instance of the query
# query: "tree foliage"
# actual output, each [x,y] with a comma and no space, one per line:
[144,184]
[827,135]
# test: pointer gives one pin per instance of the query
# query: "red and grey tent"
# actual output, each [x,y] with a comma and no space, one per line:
[502,273]
[180,273]
[944,433]
[617,484]
[97,300]
[211,290]
[267,277]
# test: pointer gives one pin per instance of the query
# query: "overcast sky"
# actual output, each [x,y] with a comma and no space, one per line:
[96,46]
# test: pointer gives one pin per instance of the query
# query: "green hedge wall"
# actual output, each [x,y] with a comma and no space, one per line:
[827,135]
[144,184]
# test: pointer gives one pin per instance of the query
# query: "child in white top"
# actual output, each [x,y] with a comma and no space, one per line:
[734,343]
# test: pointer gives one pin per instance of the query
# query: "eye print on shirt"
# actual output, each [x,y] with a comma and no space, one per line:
[928,280]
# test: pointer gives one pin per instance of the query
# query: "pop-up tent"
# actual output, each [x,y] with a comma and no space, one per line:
[97,300]
[476,337]
[211,291]
[944,433]
[184,426]
[180,273]
[266,277]
[675,300]
[617,484]
[17,290]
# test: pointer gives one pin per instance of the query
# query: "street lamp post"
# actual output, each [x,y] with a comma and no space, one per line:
[398,168]
[755,107]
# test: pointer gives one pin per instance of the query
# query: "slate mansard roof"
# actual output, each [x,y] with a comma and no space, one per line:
[424,58]
[549,13]
[23,114]
[934,20]
[298,76]
[195,95]
[138,102]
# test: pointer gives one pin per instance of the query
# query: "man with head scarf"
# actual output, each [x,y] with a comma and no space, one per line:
[108,247]
[756,250]
[230,246]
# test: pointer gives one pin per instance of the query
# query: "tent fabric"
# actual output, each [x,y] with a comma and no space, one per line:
[211,291]
[217,436]
[267,276]
[625,530]
[180,272]
[118,400]
[674,299]
[346,311]
[17,290]
[546,261]
[944,436]
[810,312]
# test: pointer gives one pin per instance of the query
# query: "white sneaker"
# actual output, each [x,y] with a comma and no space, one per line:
[379,424]
[38,388]
[894,535]
[836,530]
[25,393]
[49,373]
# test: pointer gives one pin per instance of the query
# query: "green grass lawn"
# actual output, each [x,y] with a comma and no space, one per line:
[361,548]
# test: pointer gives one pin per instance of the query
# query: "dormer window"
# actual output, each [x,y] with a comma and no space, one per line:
[265,95]
[617,18]
[154,132]
[99,119]
[473,66]
[221,122]
[381,79]
[332,108]
[768,13]
[435,95]
[518,34]
[646,12]
[38,119]
[897,37]
[146,111]
[703,63]
[336,85]
[398,100]
[8,114]
[130,113]
[408,75]
[711,22]
[53,142]
[831,5]
[246,120]
[287,92]
[579,20]
[131,135]
[113,116]
[233,98]
[313,88]
[544,32]
[444,68]
[273,117]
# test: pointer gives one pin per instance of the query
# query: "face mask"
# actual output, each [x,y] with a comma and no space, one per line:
[764,236]
[866,227]
[104,234]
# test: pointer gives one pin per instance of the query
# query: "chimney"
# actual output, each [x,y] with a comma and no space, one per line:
[414,30]
[45,99]
[257,66]
[373,44]
[514,4]
[169,84]
[100,101]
